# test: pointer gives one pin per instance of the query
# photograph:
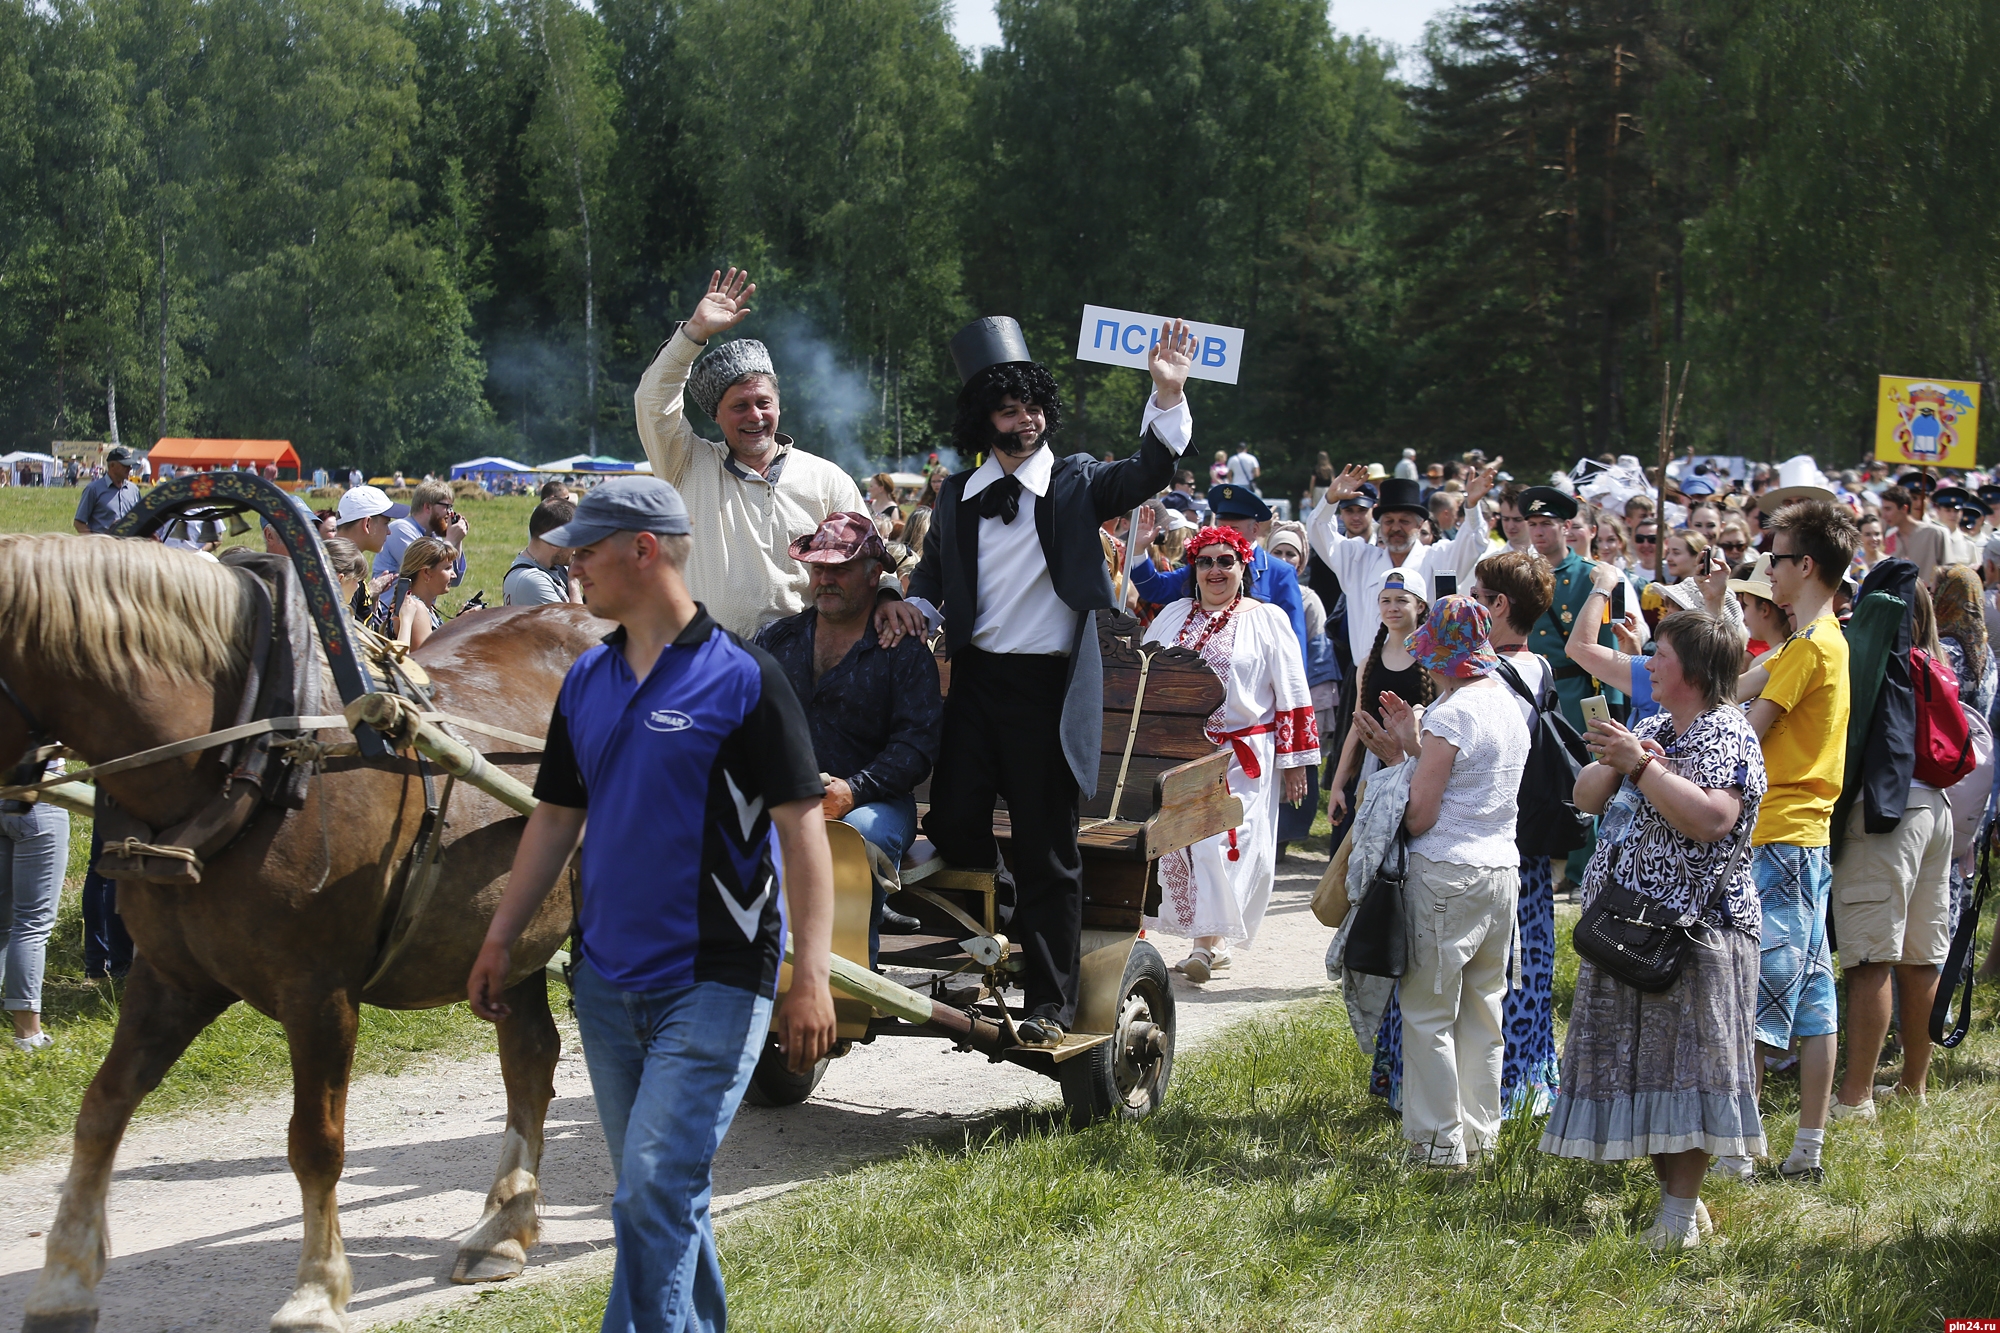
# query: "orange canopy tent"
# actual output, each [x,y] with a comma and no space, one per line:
[205,455]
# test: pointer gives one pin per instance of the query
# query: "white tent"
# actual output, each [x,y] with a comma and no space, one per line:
[45,464]
[489,464]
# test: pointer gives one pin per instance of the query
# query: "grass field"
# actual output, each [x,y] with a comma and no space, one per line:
[243,1051]
[1270,1195]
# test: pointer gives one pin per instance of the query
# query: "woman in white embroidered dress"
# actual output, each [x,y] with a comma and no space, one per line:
[1215,892]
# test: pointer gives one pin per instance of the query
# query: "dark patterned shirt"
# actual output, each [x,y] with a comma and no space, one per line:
[1637,847]
[875,715]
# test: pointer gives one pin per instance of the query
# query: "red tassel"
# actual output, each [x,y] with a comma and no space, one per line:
[1234,855]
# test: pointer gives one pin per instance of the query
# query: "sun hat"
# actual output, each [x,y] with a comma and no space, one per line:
[623,504]
[361,502]
[1454,639]
[722,367]
[1799,478]
[1759,582]
[1376,472]
[839,538]
[1178,521]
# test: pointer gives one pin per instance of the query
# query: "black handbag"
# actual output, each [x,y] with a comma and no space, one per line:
[1637,939]
[1378,933]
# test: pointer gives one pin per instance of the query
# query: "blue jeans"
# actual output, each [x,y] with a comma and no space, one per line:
[34,851]
[668,1069]
[106,946]
[890,825]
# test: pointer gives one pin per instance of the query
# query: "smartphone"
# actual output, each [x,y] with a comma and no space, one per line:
[1595,709]
[1618,600]
[1445,585]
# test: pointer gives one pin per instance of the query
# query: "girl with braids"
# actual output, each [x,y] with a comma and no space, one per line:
[1215,892]
[1389,670]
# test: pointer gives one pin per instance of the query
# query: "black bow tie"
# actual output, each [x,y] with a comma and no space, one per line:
[1001,500]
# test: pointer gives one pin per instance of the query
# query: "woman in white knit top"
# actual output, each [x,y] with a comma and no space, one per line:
[750,495]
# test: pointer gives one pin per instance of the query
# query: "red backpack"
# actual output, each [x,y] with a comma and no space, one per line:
[1944,740]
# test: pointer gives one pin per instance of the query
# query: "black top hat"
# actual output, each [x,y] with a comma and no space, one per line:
[1404,494]
[1366,500]
[1229,501]
[996,340]
[1538,501]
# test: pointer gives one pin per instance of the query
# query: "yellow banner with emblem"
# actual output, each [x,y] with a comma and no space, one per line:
[1927,423]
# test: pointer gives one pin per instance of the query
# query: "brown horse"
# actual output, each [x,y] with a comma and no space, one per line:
[118,646]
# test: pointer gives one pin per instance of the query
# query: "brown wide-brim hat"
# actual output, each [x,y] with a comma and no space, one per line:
[840,538]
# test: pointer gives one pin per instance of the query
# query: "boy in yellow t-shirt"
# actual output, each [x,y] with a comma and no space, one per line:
[1800,713]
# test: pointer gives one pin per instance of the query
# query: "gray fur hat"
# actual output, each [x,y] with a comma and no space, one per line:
[723,366]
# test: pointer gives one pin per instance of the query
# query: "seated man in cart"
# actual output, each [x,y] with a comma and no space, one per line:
[1013,566]
[874,710]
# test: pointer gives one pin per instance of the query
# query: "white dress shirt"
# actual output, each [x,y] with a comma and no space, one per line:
[1019,610]
[1362,566]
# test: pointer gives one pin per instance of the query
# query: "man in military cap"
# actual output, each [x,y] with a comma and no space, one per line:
[1963,515]
[1547,511]
[1272,581]
[1014,569]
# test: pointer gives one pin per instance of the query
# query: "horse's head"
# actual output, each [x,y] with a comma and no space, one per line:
[116,646]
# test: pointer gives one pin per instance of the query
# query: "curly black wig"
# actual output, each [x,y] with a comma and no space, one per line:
[982,395]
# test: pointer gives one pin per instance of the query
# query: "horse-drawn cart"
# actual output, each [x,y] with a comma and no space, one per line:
[306,862]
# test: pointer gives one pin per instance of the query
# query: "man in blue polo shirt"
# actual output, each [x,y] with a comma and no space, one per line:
[691,757]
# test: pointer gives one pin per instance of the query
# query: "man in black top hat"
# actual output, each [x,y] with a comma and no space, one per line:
[1014,567]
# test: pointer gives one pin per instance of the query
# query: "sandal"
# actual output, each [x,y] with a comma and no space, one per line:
[1197,967]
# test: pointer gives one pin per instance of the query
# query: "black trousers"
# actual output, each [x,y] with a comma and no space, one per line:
[1002,738]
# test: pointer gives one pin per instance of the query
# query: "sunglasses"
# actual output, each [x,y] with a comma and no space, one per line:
[1646,541]
[1215,562]
[1788,555]
[1738,547]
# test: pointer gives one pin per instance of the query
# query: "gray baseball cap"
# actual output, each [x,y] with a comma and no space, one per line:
[623,504]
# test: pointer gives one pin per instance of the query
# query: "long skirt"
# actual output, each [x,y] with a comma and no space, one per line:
[1530,1072]
[1666,1073]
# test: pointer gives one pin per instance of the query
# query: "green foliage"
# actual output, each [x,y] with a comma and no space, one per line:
[402,233]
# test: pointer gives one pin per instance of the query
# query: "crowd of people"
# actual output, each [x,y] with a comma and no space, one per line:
[1736,667]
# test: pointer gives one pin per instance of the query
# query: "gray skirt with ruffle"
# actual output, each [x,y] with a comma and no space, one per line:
[1666,1073]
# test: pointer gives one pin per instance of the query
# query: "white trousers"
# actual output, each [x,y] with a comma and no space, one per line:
[1461,934]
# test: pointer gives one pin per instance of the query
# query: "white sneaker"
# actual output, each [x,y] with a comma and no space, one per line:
[1220,959]
[1893,1091]
[1704,1225]
[1660,1240]
[1841,1112]
[41,1041]
[1733,1168]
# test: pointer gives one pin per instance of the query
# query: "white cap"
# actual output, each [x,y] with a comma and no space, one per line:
[361,502]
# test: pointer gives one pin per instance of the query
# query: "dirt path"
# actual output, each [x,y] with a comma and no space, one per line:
[204,1215]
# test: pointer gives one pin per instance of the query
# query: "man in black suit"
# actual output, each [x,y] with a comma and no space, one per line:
[1014,566]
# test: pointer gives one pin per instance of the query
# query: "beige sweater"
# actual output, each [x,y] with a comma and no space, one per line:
[739,569]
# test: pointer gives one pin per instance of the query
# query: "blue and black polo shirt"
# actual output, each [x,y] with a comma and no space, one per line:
[679,773]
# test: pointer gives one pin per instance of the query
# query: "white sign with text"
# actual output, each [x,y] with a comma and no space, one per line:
[1126,338]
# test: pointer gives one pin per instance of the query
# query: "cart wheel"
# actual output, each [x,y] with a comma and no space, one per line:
[771,1084]
[1127,1076]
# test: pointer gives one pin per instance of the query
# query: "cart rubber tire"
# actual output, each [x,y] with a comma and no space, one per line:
[772,1084]
[1126,1077]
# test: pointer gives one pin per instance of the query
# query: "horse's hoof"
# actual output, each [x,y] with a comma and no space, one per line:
[497,1264]
[308,1312]
[68,1321]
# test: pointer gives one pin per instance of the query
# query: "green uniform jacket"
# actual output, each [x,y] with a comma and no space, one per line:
[1551,633]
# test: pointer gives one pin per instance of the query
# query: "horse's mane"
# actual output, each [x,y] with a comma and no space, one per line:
[105,608]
